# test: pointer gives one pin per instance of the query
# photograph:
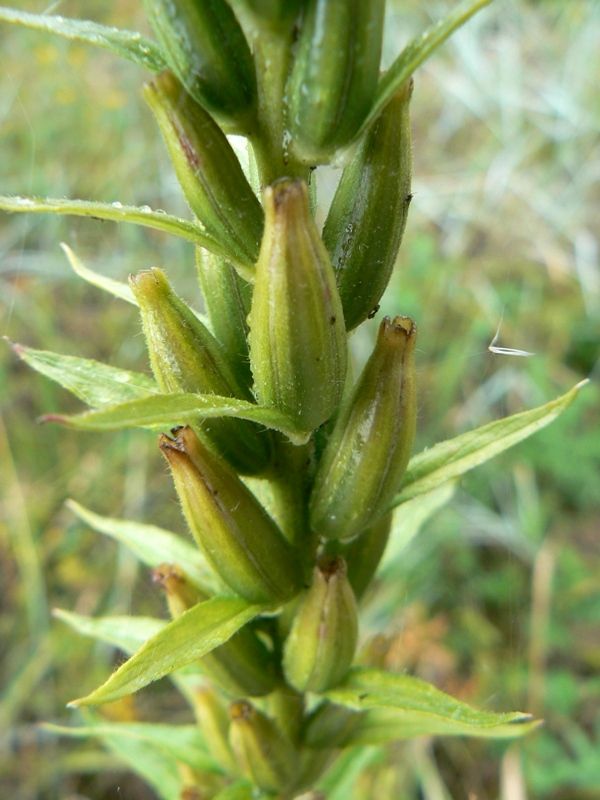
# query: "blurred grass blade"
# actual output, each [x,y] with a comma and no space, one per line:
[178,409]
[189,637]
[117,212]
[152,545]
[401,706]
[126,633]
[95,383]
[181,742]
[341,778]
[450,459]
[116,288]
[418,51]
[126,44]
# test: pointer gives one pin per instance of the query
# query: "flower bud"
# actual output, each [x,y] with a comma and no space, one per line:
[320,647]
[185,357]
[206,48]
[364,553]
[227,299]
[366,221]
[264,754]
[297,333]
[334,76]
[213,719]
[241,666]
[236,535]
[207,168]
[365,459]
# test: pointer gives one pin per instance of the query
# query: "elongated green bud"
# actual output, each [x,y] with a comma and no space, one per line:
[185,357]
[213,719]
[227,298]
[236,535]
[364,553]
[264,754]
[334,76]
[322,641]
[208,170]
[206,48]
[363,464]
[241,666]
[366,221]
[297,332]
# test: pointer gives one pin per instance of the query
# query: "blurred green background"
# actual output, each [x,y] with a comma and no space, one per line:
[496,598]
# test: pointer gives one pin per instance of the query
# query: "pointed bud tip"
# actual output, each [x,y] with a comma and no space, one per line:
[331,567]
[398,329]
[149,282]
[285,192]
[166,574]
[240,711]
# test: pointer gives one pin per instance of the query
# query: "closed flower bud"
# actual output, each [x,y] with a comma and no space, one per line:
[334,76]
[213,719]
[206,48]
[264,754]
[297,332]
[366,221]
[241,666]
[185,357]
[364,553]
[207,168]
[320,646]
[227,299]
[365,459]
[236,535]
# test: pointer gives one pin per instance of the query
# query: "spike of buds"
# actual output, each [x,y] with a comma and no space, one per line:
[236,535]
[366,221]
[297,332]
[365,459]
[320,646]
[265,755]
[185,357]
[208,170]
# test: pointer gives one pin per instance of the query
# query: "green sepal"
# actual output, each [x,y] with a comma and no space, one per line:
[236,535]
[186,358]
[321,644]
[207,167]
[366,221]
[334,75]
[297,332]
[227,298]
[206,48]
[365,459]
[264,754]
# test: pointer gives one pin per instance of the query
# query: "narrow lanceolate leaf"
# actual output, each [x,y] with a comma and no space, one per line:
[401,706]
[95,383]
[126,44]
[191,636]
[418,51]
[450,459]
[181,742]
[163,410]
[117,212]
[116,288]
[152,545]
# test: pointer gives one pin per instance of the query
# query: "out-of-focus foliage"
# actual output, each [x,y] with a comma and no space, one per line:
[495,599]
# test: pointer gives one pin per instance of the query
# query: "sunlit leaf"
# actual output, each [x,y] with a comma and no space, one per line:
[402,706]
[418,51]
[95,383]
[116,288]
[166,410]
[182,641]
[152,545]
[126,44]
[448,460]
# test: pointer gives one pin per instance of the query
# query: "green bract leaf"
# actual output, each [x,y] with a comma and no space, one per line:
[181,742]
[126,633]
[127,44]
[402,706]
[152,545]
[418,51]
[240,790]
[448,460]
[117,212]
[166,410]
[116,288]
[189,637]
[95,383]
